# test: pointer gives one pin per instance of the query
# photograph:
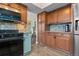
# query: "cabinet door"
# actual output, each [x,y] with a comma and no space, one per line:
[22,9]
[39,31]
[5,3]
[63,43]
[42,17]
[68,44]
[43,27]
[67,14]
[24,14]
[49,17]
[50,41]
[43,38]
[64,14]
[52,17]
[15,5]
[60,43]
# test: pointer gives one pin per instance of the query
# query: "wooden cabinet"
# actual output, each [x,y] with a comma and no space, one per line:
[52,17]
[64,14]
[5,3]
[19,8]
[42,38]
[63,43]
[60,41]
[41,27]
[42,17]
[50,41]
[24,14]
[15,5]
[61,15]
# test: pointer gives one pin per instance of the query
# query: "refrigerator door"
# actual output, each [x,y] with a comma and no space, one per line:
[76,47]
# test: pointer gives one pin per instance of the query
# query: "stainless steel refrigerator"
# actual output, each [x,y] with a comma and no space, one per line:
[76,37]
[76,30]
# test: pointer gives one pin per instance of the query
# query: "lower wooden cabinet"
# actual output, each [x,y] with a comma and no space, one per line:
[61,42]
[50,41]
[42,38]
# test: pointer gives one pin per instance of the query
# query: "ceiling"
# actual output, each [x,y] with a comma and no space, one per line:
[39,7]
[42,5]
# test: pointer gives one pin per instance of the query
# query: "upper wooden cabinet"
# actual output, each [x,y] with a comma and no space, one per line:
[15,5]
[5,3]
[24,14]
[22,9]
[42,17]
[64,14]
[19,8]
[52,17]
[61,15]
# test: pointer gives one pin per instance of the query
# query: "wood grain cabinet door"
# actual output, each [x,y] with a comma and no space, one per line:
[39,31]
[22,9]
[52,42]
[60,43]
[14,5]
[43,16]
[52,17]
[40,38]
[63,43]
[43,27]
[68,44]
[67,14]
[60,15]
[48,41]
[43,38]
[64,14]
[49,18]
[24,14]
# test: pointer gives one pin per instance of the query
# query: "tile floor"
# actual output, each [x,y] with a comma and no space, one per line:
[45,51]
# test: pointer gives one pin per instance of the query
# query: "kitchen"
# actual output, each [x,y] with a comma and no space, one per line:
[15,29]
[39,29]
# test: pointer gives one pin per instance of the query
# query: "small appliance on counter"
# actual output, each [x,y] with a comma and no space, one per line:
[67,27]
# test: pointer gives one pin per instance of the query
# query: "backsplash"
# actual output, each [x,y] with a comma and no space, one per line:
[7,26]
[58,28]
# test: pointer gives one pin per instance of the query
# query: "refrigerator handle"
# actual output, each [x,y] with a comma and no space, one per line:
[76,25]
